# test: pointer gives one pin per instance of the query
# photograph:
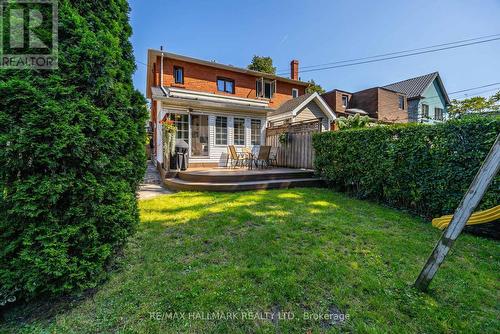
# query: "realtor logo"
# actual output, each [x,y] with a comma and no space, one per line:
[28,34]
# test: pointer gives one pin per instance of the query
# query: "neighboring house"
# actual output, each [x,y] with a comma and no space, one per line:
[215,105]
[427,97]
[308,107]
[420,99]
[380,104]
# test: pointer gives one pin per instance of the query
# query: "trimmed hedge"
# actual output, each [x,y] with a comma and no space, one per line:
[71,156]
[423,168]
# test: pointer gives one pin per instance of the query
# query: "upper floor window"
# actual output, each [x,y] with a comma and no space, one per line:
[265,88]
[220,130]
[295,92]
[425,111]
[401,103]
[345,100]
[225,85]
[178,75]
[256,126]
[239,131]
[438,114]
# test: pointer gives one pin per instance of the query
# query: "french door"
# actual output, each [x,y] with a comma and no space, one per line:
[199,135]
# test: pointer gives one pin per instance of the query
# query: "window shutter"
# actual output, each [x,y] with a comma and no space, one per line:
[258,87]
[273,88]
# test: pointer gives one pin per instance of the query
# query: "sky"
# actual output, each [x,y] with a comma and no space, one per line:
[318,32]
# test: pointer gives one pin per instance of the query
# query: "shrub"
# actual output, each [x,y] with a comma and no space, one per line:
[423,168]
[71,156]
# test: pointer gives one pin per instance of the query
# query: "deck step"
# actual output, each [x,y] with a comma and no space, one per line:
[244,175]
[180,184]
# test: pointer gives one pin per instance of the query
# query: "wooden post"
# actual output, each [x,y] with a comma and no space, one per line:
[464,210]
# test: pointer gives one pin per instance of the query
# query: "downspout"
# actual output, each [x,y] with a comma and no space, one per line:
[161,74]
[159,150]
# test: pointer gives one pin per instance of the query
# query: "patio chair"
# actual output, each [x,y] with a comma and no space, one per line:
[273,156]
[236,158]
[263,157]
[248,156]
[251,154]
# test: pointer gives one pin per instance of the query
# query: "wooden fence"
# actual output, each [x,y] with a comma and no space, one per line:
[297,151]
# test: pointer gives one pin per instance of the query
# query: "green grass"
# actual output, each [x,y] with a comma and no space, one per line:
[300,251]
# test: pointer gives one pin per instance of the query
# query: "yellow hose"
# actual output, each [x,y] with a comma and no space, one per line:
[480,217]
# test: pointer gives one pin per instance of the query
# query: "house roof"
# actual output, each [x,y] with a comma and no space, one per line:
[336,90]
[415,87]
[157,92]
[152,53]
[293,106]
[290,104]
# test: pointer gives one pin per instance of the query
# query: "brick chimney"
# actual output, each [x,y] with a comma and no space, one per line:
[294,69]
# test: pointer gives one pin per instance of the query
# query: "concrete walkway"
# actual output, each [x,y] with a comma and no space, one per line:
[152,185]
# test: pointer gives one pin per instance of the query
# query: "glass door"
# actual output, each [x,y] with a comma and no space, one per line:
[181,122]
[199,135]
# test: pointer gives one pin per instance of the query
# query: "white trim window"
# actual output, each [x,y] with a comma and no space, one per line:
[295,92]
[255,130]
[425,110]
[239,131]
[438,114]
[221,130]
[345,100]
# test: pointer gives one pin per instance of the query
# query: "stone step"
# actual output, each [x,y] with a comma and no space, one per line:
[179,184]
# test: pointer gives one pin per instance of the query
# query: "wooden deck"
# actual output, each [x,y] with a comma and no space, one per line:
[240,179]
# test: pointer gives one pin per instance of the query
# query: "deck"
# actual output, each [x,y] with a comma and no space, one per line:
[241,179]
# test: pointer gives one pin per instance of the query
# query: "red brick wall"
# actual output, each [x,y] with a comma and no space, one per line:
[334,100]
[388,107]
[294,69]
[203,78]
[366,100]
[381,104]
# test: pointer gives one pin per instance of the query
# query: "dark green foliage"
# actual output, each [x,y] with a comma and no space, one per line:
[314,87]
[423,168]
[71,156]
[262,64]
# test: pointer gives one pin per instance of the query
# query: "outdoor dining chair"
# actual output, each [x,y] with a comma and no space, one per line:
[263,157]
[237,159]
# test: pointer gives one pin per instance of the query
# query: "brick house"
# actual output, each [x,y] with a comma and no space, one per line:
[428,100]
[215,105]
[420,99]
[380,104]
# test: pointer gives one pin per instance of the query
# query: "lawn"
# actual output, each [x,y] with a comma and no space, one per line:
[275,261]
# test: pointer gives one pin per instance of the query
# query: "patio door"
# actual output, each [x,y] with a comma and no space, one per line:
[181,121]
[199,135]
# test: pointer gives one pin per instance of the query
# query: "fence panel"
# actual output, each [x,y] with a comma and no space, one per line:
[297,151]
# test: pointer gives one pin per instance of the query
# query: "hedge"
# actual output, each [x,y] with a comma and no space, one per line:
[71,156]
[422,168]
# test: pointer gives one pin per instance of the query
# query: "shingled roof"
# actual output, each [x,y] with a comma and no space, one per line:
[291,104]
[291,107]
[415,87]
